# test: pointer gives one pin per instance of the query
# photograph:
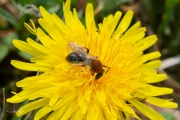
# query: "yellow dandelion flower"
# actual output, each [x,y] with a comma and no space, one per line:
[66,90]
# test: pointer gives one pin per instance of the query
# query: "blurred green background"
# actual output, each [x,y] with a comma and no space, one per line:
[160,17]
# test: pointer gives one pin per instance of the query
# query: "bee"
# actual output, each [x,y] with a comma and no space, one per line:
[80,56]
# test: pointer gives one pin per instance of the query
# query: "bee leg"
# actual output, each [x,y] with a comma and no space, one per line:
[92,71]
[87,50]
[73,66]
[70,68]
[84,67]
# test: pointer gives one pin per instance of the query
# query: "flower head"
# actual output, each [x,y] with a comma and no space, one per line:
[67,90]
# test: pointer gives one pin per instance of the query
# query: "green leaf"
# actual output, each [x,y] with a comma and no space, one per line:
[111,4]
[168,115]
[8,17]
[54,9]
[24,55]
[7,40]
[3,51]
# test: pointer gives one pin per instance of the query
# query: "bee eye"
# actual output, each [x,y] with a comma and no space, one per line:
[98,75]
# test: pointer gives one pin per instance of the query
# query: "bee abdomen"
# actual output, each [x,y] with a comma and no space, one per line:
[74,58]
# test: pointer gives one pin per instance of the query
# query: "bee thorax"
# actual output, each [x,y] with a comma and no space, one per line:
[96,65]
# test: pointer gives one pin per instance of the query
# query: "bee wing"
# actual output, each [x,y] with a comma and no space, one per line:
[92,56]
[71,46]
[74,47]
[69,49]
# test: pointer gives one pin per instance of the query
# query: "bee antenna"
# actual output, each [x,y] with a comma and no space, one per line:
[107,68]
[70,69]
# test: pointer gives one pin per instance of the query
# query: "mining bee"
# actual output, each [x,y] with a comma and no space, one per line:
[80,56]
